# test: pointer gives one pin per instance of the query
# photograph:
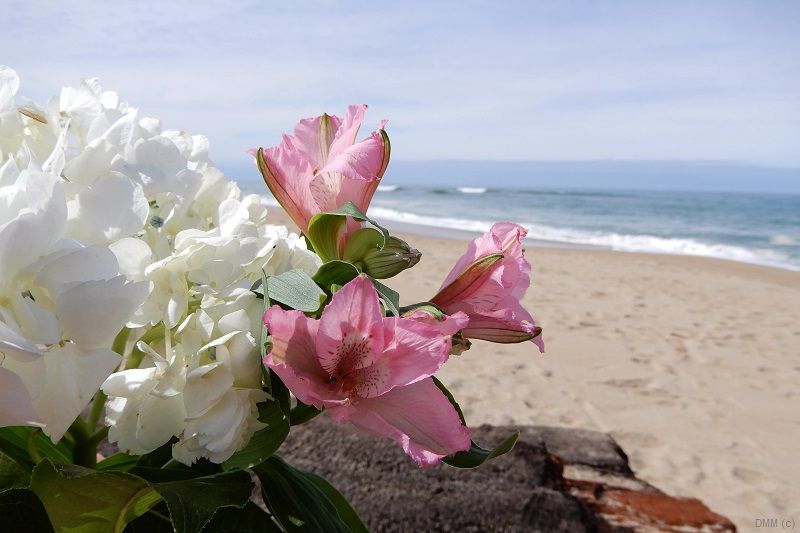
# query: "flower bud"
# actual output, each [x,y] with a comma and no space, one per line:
[364,249]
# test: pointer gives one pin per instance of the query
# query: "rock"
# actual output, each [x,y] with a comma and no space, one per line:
[581,447]
[555,480]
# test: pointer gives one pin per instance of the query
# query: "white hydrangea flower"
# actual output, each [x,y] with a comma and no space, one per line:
[205,396]
[61,305]
[146,406]
[124,200]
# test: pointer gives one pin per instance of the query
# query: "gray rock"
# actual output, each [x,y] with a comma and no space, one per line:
[555,480]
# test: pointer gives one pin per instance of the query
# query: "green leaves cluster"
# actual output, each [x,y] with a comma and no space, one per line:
[152,493]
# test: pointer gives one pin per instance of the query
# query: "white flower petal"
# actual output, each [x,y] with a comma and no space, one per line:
[72,376]
[205,386]
[109,209]
[16,404]
[93,312]
[133,256]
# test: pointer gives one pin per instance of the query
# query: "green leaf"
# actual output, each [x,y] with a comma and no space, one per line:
[302,413]
[156,520]
[350,209]
[81,500]
[347,514]
[429,307]
[175,472]
[335,272]
[258,287]
[452,400]
[250,519]
[279,392]
[120,461]
[476,455]
[389,297]
[158,457]
[21,511]
[15,443]
[264,333]
[12,474]
[193,502]
[302,501]
[324,230]
[297,290]
[265,441]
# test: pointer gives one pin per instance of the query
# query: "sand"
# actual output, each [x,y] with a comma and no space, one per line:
[692,364]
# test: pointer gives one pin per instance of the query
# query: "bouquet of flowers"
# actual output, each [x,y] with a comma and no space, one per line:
[159,339]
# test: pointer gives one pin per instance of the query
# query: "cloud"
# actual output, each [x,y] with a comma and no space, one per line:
[466,80]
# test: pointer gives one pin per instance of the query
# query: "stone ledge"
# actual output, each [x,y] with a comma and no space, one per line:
[555,480]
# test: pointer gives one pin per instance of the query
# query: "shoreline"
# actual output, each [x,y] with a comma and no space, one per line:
[443,232]
[776,274]
[690,363]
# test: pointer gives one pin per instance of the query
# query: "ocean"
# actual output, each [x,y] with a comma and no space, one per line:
[748,227]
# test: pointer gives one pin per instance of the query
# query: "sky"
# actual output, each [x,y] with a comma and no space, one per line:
[488,81]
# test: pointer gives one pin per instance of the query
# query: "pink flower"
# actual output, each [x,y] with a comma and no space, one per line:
[321,166]
[370,370]
[487,284]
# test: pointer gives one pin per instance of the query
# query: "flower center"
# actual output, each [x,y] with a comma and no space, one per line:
[353,355]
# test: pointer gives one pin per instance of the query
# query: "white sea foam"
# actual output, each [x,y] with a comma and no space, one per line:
[388,188]
[613,241]
[783,240]
[471,190]
[608,240]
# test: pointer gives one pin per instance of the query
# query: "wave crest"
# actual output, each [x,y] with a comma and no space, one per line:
[607,240]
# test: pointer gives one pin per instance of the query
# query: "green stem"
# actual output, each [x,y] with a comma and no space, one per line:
[97,410]
[120,341]
[155,333]
[134,359]
[86,439]
[99,435]
[84,453]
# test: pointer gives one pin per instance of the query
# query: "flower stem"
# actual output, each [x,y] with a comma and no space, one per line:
[86,439]
[84,453]
[97,409]
[99,435]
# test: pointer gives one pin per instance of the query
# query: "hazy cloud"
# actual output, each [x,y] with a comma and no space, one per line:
[457,80]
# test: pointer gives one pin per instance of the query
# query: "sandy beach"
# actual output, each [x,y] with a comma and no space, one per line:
[692,364]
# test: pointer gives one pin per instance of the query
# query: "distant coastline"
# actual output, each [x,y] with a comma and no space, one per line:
[676,176]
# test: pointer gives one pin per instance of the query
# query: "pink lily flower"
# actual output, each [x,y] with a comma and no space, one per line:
[321,166]
[370,370]
[487,284]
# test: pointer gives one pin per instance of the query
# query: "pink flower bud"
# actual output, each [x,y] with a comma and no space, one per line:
[487,284]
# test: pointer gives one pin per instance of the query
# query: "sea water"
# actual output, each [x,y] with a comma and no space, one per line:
[748,227]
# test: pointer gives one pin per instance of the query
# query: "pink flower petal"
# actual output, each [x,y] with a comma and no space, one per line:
[313,137]
[500,239]
[288,177]
[321,166]
[351,329]
[489,289]
[449,326]
[293,355]
[418,416]
[413,351]
[347,130]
